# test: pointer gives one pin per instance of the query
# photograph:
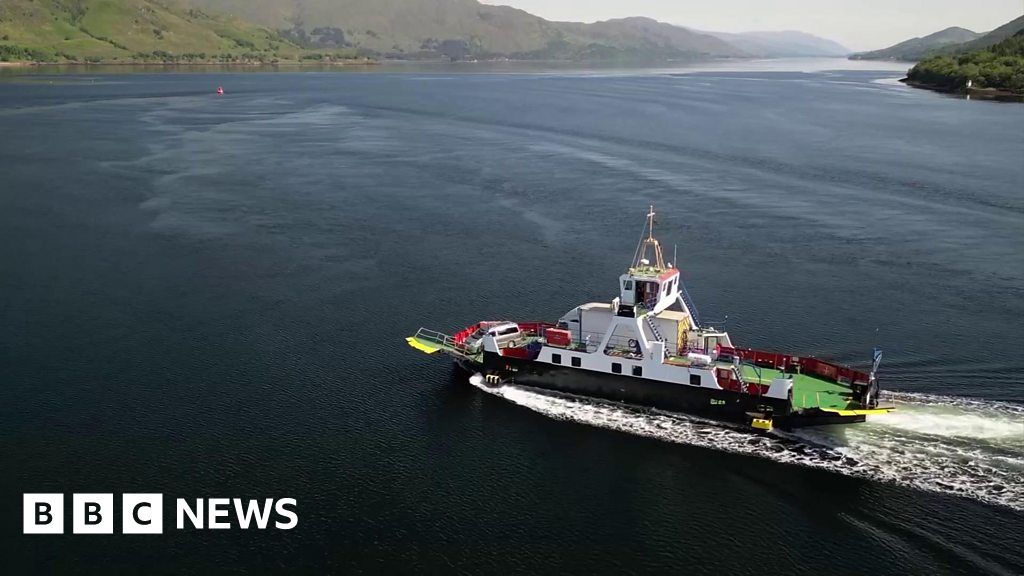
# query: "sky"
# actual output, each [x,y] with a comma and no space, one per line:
[856,24]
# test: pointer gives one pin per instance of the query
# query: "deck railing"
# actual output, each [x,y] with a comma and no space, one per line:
[786,362]
[441,339]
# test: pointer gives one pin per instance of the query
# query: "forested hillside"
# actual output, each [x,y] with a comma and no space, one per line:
[999,67]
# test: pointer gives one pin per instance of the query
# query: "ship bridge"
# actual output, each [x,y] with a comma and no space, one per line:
[644,319]
[650,285]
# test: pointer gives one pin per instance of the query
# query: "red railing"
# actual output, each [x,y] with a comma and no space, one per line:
[461,336]
[727,380]
[535,328]
[787,362]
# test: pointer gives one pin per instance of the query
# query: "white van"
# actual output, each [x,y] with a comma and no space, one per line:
[506,334]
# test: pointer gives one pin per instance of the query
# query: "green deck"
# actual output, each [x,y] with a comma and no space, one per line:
[808,391]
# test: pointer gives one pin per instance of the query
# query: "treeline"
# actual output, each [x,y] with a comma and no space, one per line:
[202,57]
[12,53]
[1000,66]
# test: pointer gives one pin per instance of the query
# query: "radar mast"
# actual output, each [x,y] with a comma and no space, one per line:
[649,246]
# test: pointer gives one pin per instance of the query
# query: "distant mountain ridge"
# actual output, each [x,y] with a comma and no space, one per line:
[783,44]
[271,31]
[1011,28]
[916,48]
[952,40]
[467,29]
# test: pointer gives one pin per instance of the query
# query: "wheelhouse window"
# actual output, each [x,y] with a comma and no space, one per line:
[695,379]
[556,358]
[627,285]
[576,361]
[616,368]
[638,370]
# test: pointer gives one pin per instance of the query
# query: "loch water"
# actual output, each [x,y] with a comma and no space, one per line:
[207,296]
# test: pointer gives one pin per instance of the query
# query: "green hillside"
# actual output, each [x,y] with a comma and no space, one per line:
[999,67]
[135,31]
[467,29]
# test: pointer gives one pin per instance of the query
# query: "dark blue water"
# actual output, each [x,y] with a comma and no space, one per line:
[207,296]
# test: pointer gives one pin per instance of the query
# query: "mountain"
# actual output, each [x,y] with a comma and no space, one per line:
[273,30]
[645,37]
[917,48]
[785,44]
[949,41]
[467,29]
[1011,28]
[131,30]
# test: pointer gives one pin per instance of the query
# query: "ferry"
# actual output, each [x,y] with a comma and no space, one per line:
[647,347]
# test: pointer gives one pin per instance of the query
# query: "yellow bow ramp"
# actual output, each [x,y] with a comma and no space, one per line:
[422,346]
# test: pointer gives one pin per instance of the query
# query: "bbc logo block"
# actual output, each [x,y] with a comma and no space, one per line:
[142,514]
[93,514]
[43,513]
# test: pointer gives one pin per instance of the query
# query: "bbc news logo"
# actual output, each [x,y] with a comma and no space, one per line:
[144,513]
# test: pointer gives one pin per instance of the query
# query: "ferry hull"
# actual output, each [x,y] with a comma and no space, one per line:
[705,402]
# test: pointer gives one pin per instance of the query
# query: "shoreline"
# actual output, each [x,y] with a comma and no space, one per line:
[354,62]
[993,94]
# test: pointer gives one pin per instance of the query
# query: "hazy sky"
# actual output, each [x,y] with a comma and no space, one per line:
[857,24]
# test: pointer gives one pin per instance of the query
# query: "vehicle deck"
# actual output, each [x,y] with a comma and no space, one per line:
[808,391]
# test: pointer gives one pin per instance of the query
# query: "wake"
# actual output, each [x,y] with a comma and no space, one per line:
[967,447]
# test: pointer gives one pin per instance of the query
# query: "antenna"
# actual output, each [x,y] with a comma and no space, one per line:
[639,244]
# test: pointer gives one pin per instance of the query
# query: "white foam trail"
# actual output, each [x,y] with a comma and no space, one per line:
[942,423]
[966,447]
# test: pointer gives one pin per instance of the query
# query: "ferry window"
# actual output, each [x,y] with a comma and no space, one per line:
[695,379]
[576,361]
[616,368]
[556,358]
[638,370]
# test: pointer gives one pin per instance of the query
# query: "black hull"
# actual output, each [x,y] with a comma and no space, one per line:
[722,405]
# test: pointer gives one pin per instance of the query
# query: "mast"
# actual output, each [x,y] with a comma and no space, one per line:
[649,244]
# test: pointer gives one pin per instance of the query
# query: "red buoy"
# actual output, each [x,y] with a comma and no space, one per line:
[220,90]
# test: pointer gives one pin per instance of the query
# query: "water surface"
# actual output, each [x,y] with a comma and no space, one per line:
[207,296]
